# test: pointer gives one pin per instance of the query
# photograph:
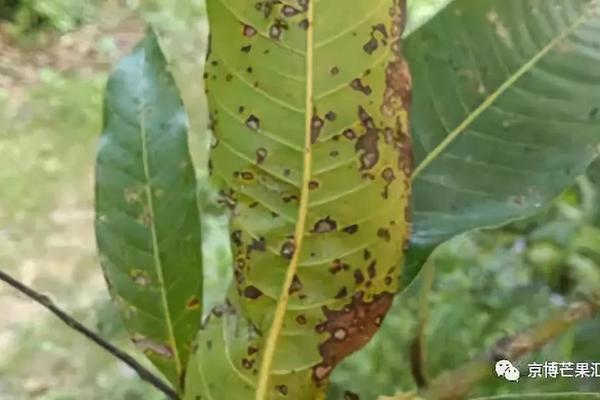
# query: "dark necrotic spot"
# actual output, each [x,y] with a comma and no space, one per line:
[248,30]
[289,11]
[357,84]
[366,254]
[343,292]
[352,229]
[236,238]
[367,143]
[313,185]
[330,116]
[335,70]
[348,395]
[334,153]
[249,70]
[349,134]
[241,109]
[282,389]
[252,350]
[388,175]
[594,113]
[246,175]
[275,32]
[384,234]
[290,198]
[325,225]
[371,269]
[247,364]
[253,122]
[371,46]
[228,77]
[246,49]
[261,154]
[257,245]
[301,319]
[303,24]
[315,128]
[287,249]
[296,285]
[252,292]
[358,276]
[286,172]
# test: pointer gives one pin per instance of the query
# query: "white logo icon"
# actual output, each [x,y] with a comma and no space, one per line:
[507,370]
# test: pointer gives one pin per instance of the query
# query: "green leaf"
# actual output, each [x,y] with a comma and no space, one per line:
[311,154]
[147,222]
[505,112]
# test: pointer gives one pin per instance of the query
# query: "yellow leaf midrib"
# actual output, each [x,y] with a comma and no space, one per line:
[491,99]
[155,252]
[281,307]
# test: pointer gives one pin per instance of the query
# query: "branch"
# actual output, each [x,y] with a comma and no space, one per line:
[143,373]
[418,347]
[456,384]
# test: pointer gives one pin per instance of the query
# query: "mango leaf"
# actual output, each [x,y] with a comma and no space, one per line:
[312,156]
[505,115]
[147,222]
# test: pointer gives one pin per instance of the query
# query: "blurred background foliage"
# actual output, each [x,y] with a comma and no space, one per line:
[54,59]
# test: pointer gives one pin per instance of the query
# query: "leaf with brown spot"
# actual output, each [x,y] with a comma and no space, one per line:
[316,199]
[147,222]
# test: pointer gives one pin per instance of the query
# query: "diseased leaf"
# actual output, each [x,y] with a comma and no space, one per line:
[147,222]
[312,156]
[505,114]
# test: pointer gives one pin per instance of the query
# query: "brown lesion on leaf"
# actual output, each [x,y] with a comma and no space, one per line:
[253,122]
[349,330]
[152,347]
[246,176]
[296,285]
[287,249]
[252,292]
[358,85]
[325,225]
[248,31]
[367,144]
[261,155]
[193,303]
[140,277]
[379,35]
[338,266]
[316,126]
[259,244]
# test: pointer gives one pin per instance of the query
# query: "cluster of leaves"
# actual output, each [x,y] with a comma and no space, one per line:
[516,89]
[499,86]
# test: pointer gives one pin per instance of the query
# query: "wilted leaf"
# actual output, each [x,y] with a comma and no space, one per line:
[506,112]
[312,155]
[147,222]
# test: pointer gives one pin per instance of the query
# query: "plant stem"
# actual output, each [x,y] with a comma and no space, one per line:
[455,384]
[45,301]
[418,348]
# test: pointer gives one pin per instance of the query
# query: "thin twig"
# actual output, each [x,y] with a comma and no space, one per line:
[456,384]
[418,348]
[143,373]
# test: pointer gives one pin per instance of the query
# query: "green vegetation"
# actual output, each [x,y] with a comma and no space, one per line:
[486,284]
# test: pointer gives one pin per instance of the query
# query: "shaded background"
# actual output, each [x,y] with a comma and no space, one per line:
[54,59]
